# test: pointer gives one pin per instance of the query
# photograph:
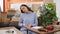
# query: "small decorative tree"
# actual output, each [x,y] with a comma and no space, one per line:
[48,14]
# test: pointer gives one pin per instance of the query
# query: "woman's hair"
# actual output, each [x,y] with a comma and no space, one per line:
[26,7]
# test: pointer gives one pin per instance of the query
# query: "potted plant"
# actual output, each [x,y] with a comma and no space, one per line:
[48,14]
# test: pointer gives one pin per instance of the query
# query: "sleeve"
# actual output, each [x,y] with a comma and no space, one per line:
[20,21]
[35,20]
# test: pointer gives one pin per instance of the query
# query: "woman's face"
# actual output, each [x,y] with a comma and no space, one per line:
[24,9]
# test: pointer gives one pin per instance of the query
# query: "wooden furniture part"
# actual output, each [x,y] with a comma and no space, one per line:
[8,28]
[14,21]
[4,17]
[0,17]
[11,12]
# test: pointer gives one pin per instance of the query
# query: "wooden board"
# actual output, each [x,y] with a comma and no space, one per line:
[10,28]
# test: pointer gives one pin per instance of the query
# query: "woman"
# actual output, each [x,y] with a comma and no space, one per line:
[27,17]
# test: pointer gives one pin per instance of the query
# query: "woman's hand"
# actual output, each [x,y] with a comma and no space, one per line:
[30,26]
[24,24]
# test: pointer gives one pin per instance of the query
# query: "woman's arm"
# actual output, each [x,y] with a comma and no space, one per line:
[20,21]
[35,20]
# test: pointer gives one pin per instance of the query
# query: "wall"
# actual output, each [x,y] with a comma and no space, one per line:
[7,2]
[1,5]
[57,8]
[6,5]
[12,1]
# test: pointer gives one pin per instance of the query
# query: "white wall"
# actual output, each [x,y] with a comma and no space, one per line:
[16,6]
[57,8]
[1,4]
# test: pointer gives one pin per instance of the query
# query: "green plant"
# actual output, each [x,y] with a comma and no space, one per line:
[48,14]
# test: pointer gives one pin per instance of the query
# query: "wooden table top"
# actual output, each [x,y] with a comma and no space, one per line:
[42,32]
[34,30]
[7,28]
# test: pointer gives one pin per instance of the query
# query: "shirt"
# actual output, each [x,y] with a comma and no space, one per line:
[28,18]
